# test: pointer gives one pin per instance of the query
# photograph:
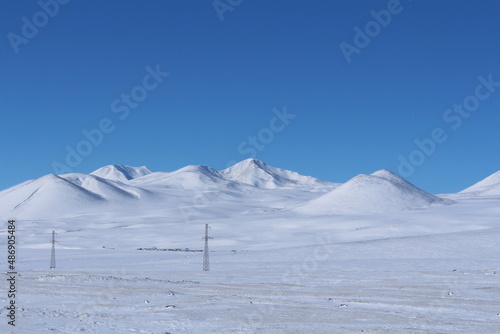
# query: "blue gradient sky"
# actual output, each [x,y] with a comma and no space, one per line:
[226,78]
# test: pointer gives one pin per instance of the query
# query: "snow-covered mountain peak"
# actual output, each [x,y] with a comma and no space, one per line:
[488,186]
[248,166]
[121,173]
[205,170]
[386,174]
[259,174]
[253,163]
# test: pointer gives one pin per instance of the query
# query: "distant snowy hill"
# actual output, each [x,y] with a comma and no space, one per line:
[489,186]
[121,173]
[50,193]
[113,187]
[261,175]
[190,177]
[380,192]
[248,187]
[68,194]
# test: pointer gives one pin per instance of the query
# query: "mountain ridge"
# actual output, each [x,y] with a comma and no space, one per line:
[247,181]
[121,173]
[259,174]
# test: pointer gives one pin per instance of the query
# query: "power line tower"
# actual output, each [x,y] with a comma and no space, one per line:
[53,255]
[206,260]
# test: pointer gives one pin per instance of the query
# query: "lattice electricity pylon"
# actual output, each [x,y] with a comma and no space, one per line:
[206,260]
[53,255]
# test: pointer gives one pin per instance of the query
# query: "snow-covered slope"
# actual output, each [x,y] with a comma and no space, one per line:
[260,174]
[121,173]
[106,188]
[48,194]
[69,195]
[380,192]
[489,186]
[114,186]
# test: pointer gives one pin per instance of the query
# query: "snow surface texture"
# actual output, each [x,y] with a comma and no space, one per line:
[421,264]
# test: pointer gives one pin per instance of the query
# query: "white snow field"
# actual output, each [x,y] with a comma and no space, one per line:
[290,254]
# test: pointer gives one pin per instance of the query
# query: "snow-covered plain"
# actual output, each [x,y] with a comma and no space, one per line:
[392,259]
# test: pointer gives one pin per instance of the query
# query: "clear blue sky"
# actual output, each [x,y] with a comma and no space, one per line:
[226,77]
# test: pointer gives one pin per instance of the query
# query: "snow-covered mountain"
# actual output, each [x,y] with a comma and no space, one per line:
[261,175]
[50,193]
[68,194]
[380,192]
[248,187]
[116,186]
[489,186]
[191,177]
[121,173]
